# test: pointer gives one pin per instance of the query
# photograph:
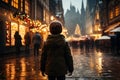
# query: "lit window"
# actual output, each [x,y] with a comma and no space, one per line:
[97,15]
[44,15]
[5,1]
[21,5]
[27,7]
[7,33]
[117,10]
[111,14]
[15,3]
[14,28]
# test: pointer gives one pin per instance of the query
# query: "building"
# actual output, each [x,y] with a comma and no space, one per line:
[24,16]
[109,15]
[56,10]
[14,16]
[90,16]
[83,19]
[97,27]
[73,17]
[112,9]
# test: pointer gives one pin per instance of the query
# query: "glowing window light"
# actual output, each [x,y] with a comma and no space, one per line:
[14,28]
[15,3]
[117,10]
[111,14]
[22,32]
[52,18]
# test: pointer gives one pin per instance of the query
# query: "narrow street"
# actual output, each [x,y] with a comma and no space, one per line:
[91,27]
[88,65]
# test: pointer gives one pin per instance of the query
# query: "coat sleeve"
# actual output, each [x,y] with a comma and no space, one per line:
[68,58]
[43,59]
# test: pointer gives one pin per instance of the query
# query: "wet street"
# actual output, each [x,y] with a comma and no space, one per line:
[92,64]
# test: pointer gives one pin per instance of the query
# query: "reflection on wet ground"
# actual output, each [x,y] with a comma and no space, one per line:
[88,65]
[96,64]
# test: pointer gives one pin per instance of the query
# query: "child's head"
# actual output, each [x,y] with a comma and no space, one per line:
[55,27]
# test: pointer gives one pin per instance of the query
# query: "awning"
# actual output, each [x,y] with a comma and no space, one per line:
[116,30]
[104,38]
[112,27]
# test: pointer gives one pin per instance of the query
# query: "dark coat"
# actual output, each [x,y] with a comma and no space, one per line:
[18,39]
[56,56]
[27,39]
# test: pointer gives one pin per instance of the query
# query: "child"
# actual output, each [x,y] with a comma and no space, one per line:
[56,59]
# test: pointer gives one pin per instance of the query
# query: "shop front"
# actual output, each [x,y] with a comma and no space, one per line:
[17,27]
[9,26]
[3,29]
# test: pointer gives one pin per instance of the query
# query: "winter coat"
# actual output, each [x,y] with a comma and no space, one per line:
[36,39]
[27,39]
[56,56]
[18,40]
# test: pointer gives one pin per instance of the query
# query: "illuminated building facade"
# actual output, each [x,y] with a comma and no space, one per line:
[13,17]
[56,8]
[23,16]
[106,17]
[90,16]
[97,26]
[111,14]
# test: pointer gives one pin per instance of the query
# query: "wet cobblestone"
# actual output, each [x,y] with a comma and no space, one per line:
[90,65]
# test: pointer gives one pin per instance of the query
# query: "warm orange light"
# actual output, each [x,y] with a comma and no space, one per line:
[22,29]
[99,57]
[23,67]
[52,18]
[44,30]
[14,28]
[111,14]
[97,16]
[117,10]
[5,1]
[10,69]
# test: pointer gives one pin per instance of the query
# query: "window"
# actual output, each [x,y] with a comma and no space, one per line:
[15,3]
[7,33]
[117,10]
[21,5]
[97,16]
[111,14]
[27,7]
[5,1]
[44,15]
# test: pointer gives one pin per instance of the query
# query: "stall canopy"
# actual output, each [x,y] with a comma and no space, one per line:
[116,29]
[104,38]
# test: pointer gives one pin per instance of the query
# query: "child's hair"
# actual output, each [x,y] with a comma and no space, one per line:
[55,27]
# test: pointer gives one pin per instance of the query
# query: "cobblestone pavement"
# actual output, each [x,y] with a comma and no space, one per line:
[89,65]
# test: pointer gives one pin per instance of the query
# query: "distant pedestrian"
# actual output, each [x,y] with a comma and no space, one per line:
[87,44]
[37,40]
[91,43]
[81,44]
[56,58]
[27,41]
[18,42]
